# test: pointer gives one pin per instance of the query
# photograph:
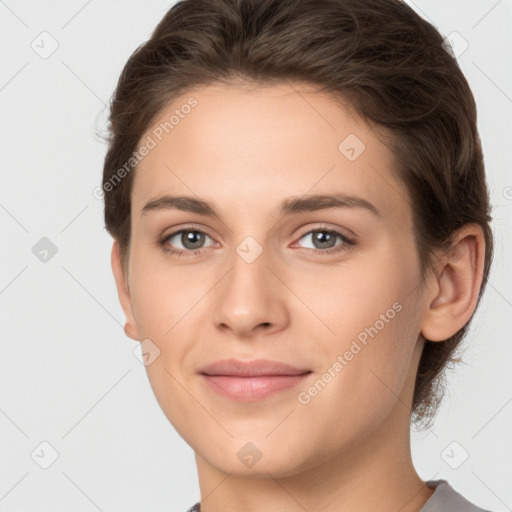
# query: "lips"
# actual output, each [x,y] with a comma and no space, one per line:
[251,381]
[254,368]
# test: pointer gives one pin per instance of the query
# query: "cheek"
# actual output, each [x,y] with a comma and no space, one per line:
[161,296]
[168,306]
[352,296]
[361,381]
[373,322]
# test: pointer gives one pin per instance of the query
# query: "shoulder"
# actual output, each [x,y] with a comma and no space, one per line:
[446,498]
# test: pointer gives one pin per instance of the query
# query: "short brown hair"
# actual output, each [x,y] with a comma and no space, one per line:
[390,64]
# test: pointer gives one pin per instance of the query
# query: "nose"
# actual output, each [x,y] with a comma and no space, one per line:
[251,299]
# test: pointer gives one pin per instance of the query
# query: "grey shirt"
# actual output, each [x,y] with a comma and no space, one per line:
[444,499]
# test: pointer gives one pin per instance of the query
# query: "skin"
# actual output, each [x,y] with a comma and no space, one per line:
[246,149]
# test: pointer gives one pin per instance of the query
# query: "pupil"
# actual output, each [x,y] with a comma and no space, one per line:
[189,236]
[324,237]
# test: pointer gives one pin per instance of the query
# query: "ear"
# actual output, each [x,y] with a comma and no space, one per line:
[123,292]
[455,285]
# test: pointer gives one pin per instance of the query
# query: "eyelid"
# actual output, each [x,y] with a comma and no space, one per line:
[327,227]
[187,227]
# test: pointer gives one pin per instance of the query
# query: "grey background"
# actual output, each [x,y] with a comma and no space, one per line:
[68,374]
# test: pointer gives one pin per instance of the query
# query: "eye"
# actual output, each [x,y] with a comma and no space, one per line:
[324,241]
[191,240]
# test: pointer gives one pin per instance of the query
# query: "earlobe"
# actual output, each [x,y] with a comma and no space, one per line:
[123,292]
[457,285]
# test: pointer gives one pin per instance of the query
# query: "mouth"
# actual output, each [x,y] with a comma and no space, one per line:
[251,389]
[251,381]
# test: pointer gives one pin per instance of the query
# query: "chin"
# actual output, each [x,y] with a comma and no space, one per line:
[258,459]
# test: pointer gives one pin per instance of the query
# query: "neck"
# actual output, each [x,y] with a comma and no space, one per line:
[378,475]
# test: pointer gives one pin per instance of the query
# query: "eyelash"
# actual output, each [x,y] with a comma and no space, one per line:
[347,245]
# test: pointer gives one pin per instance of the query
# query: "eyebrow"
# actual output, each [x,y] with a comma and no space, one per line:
[290,206]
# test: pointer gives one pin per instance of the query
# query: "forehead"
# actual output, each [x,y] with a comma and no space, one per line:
[259,144]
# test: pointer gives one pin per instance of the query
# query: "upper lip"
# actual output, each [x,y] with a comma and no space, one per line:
[254,368]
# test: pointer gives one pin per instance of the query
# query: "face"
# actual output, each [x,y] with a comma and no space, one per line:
[330,287]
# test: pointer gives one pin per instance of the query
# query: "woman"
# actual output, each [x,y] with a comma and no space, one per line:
[301,227]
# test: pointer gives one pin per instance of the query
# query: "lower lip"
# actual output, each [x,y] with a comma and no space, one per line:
[251,389]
